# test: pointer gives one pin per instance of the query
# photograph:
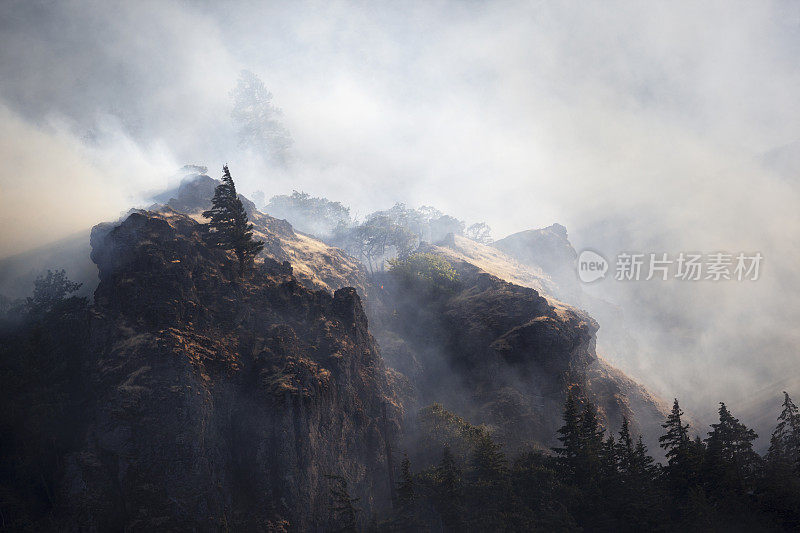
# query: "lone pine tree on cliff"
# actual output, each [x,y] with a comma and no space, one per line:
[229,228]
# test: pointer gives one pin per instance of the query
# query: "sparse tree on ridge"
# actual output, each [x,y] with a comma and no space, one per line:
[480,232]
[228,227]
[373,240]
[318,216]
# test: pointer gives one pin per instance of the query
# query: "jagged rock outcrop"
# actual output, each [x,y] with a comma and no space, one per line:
[497,353]
[548,249]
[219,402]
[501,350]
[316,264]
[549,252]
[195,192]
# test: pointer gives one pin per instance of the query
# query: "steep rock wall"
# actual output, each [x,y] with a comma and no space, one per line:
[221,402]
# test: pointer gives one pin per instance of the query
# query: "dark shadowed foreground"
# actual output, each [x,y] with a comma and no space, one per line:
[200,398]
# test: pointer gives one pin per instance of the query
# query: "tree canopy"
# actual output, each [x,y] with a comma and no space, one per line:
[257,120]
[427,268]
[594,483]
[50,288]
[228,227]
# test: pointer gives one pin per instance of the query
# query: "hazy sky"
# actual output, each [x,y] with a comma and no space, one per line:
[638,125]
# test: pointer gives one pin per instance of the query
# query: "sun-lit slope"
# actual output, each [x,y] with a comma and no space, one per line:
[315,264]
[616,393]
[494,262]
[498,264]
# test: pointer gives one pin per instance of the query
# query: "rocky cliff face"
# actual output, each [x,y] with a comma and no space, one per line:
[549,250]
[501,350]
[220,402]
[498,354]
[197,399]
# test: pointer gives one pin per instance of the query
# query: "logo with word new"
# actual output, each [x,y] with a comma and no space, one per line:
[591,266]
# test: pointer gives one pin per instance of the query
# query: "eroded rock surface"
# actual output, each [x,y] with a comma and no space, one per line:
[222,402]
